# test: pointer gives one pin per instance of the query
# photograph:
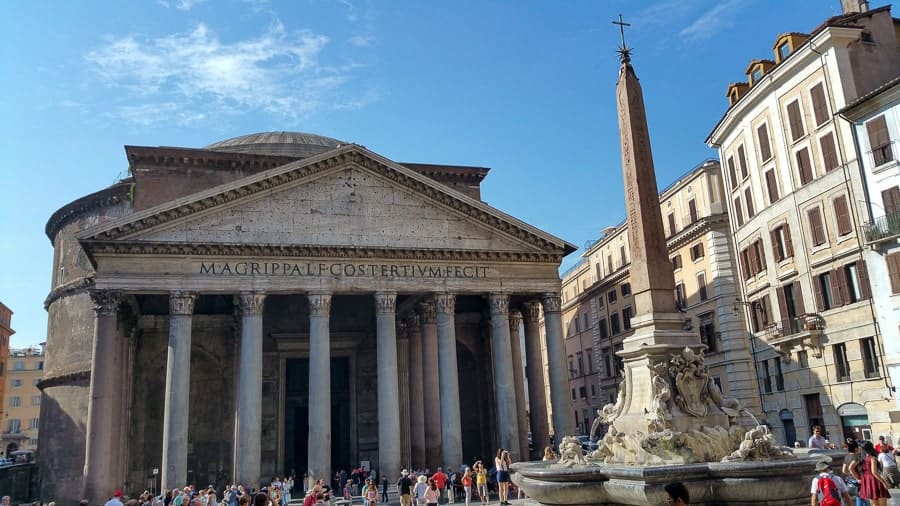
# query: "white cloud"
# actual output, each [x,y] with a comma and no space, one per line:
[278,72]
[712,21]
[664,13]
[145,114]
[361,40]
[183,5]
[351,10]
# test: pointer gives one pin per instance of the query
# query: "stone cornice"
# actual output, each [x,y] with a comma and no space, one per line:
[203,158]
[310,167]
[64,379]
[106,197]
[79,285]
[449,172]
[312,251]
[694,230]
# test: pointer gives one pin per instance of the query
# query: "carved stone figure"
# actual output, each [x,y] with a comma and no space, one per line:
[730,406]
[691,377]
[610,412]
[660,413]
[570,452]
[759,444]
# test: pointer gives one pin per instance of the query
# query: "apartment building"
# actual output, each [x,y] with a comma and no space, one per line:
[24,369]
[598,306]
[796,205]
[6,332]
[875,117]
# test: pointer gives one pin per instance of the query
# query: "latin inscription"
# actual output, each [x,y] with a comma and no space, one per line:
[347,270]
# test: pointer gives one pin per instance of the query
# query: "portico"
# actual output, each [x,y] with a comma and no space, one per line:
[341,293]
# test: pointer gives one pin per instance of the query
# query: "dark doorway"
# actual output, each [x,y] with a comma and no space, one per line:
[790,432]
[297,412]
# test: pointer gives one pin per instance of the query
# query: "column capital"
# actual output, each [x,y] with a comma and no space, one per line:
[182,303]
[445,302]
[552,302]
[532,312]
[251,303]
[385,302]
[429,313]
[106,302]
[402,329]
[515,318]
[499,303]
[319,303]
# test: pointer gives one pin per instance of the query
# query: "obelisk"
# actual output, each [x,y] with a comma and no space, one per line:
[657,323]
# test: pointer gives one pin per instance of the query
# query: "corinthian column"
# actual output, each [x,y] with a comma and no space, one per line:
[388,392]
[451,443]
[248,444]
[504,382]
[319,460]
[432,393]
[416,392]
[563,424]
[178,385]
[537,395]
[515,319]
[101,444]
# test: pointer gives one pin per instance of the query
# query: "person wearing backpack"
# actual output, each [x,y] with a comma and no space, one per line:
[827,488]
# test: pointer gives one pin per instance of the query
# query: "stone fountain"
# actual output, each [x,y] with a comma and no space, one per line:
[669,422]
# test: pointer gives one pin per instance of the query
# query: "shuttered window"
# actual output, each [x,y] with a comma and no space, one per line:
[891,200]
[829,154]
[795,121]
[737,211]
[731,173]
[742,162]
[671,224]
[842,213]
[745,263]
[749,198]
[781,243]
[879,140]
[772,185]
[820,107]
[692,207]
[804,168]
[762,136]
[893,264]
[816,226]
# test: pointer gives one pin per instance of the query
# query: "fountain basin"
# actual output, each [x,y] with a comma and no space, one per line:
[775,483]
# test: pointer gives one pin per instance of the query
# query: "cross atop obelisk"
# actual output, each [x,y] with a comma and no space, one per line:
[624,51]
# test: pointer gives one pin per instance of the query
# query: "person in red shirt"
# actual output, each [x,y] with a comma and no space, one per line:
[882,442]
[440,479]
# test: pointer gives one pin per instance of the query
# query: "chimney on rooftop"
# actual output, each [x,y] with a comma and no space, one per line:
[854,6]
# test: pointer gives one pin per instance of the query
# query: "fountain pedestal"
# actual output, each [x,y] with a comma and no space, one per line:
[774,483]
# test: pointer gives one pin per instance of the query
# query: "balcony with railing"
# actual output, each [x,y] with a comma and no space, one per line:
[805,330]
[883,228]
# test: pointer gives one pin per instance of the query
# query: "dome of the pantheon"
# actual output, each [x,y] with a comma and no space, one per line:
[297,144]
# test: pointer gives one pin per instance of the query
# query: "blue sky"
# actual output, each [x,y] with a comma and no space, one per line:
[523,87]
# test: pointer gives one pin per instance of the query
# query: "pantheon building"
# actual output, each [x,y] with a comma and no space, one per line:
[285,302]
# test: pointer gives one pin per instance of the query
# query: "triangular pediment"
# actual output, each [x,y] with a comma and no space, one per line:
[346,198]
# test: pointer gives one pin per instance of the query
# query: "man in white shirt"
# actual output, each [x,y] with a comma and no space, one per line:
[817,440]
[116,499]
[888,466]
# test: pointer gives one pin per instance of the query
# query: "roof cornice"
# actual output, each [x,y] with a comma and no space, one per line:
[825,40]
[311,251]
